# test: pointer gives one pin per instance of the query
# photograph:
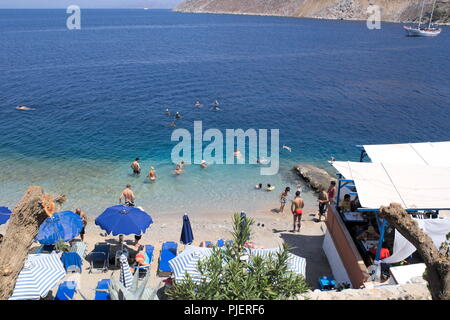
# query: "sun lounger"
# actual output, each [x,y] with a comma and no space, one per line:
[144,269]
[72,262]
[80,248]
[99,256]
[45,248]
[101,292]
[222,242]
[66,290]
[168,252]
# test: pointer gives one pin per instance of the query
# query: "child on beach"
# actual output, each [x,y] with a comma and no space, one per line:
[283,199]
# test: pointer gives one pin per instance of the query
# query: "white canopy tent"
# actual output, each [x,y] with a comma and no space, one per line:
[413,186]
[426,153]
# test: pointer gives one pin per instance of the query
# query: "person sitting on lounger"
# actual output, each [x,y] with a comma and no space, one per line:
[142,259]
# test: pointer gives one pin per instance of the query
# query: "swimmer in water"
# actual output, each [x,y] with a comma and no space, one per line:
[203,164]
[167,112]
[270,187]
[177,115]
[179,168]
[259,186]
[238,154]
[287,148]
[172,124]
[197,104]
[216,105]
[24,108]
[152,174]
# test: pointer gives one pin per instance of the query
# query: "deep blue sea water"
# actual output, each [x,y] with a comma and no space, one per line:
[100,94]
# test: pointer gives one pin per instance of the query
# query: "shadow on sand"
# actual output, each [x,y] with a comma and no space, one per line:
[310,248]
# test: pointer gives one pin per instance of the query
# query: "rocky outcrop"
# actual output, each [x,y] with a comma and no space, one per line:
[413,291]
[392,10]
[314,176]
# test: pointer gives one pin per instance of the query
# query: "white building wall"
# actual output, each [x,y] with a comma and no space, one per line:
[337,267]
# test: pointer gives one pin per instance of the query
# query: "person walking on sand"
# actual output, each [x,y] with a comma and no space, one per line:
[152,174]
[84,219]
[128,196]
[331,192]
[297,210]
[323,202]
[136,167]
[283,199]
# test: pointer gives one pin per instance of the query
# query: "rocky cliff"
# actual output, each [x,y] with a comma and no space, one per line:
[392,10]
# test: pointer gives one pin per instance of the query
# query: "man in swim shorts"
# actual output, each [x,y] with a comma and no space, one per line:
[128,196]
[323,202]
[297,210]
[136,167]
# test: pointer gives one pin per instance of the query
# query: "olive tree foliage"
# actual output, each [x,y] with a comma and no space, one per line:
[231,274]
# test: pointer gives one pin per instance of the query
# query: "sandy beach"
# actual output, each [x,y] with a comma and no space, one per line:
[270,230]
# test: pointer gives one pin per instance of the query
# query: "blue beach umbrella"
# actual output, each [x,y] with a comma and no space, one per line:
[124,220]
[63,226]
[5,214]
[186,233]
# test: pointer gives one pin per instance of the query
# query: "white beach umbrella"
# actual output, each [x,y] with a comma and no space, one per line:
[295,263]
[126,278]
[187,262]
[40,273]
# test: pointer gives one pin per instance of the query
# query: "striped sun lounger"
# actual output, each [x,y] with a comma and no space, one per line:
[80,248]
[168,252]
[101,290]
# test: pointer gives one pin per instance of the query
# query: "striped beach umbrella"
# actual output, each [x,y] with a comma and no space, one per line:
[40,273]
[187,263]
[295,263]
[126,278]
[5,214]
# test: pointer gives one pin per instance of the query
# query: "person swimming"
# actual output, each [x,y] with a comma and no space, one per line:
[24,108]
[203,164]
[258,186]
[270,187]
[167,112]
[177,115]
[197,104]
[179,168]
[215,105]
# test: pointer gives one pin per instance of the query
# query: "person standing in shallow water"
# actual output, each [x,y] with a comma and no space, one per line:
[128,196]
[152,174]
[283,199]
[136,167]
[297,211]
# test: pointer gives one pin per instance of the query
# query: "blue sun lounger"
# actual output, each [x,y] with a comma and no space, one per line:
[72,262]
[100,256]
[168,252]
[102,285]
[66,290]
[221,242]
[144,269]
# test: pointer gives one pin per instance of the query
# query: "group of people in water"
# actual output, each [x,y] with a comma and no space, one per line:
[215,106]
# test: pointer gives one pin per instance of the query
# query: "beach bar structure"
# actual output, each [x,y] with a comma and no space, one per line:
[415,175]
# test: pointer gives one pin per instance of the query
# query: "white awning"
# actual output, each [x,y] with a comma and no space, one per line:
[426,153]
[413,186]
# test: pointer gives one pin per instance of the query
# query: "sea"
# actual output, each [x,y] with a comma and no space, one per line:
[100,93]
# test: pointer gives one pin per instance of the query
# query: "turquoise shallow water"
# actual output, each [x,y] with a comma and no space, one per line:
[100,93]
